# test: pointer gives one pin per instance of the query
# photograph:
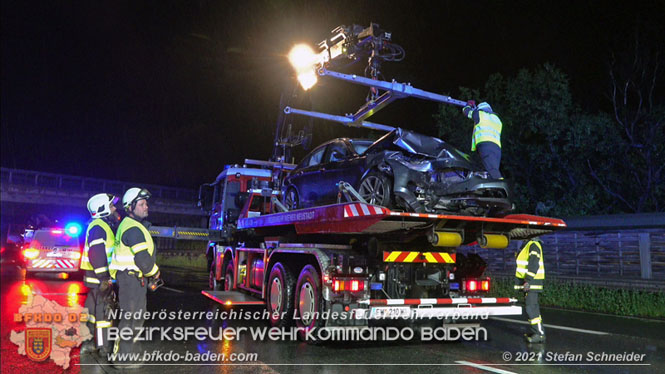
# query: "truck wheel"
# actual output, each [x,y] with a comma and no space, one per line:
[375,188]
[213,283]
[291,199]
[310,303]
[280,296]
[228,277]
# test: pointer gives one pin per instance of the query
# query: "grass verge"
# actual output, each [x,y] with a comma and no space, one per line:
[196,262]
[568,295]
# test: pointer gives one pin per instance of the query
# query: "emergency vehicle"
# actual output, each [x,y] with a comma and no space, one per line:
[369,261]
[54,249]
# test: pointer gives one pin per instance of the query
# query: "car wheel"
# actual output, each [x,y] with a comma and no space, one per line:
[280,296]
[291,199]
[375,188]
[309,308]
[228,277]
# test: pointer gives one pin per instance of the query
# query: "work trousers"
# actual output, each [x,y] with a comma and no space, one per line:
[132,301]
[490,154]
[98,321]
[533,313]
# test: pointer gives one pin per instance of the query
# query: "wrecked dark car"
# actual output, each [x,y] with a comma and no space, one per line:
[403,170]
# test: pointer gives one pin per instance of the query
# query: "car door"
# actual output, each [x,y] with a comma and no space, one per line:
[307,178]
[342,164]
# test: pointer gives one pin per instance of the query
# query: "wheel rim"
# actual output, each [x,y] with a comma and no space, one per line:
[227,282]
[276,294]
[306,303]
[291,199]
[373,190]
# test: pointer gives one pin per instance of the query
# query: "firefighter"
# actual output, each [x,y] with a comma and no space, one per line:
[486,136]
[529,277]
[133,261]
[99,243]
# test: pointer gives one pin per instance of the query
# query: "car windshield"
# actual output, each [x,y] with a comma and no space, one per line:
[54,238]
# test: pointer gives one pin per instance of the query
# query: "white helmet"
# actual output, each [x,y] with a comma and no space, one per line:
[133,195]
[99,205]
[485,107]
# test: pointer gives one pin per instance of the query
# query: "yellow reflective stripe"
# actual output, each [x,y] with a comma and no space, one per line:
[153,271]
[430,257]
[530,273]
[393,256]
[101,270]
[92,280]
[139,247]
[520,262]
[536,320]
[103,324]
[534,253]
[536,287]
[411,256]
[518,287]
[97,241]
[520,270]
[91,318]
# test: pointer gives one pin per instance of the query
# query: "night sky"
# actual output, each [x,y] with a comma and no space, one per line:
[168,92]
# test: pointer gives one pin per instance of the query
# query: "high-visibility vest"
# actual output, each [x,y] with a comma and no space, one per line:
[123,255]
[488,129]
[523,265]
[109,244]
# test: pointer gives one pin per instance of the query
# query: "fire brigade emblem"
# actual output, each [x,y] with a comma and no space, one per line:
[38,343]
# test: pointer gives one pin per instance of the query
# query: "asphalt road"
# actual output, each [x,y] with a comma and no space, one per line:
[571,336]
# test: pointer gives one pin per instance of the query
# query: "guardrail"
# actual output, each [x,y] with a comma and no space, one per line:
[77,184]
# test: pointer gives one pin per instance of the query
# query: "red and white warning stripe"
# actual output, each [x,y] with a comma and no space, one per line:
[443,301]
[361,210]
[64,264]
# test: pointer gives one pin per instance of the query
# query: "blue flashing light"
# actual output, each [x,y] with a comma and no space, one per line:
[454,286]
[73,229]
[375,286]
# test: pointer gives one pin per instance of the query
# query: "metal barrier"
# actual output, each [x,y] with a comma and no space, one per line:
[70,183]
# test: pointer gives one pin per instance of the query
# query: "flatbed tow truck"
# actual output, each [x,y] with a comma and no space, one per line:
[375,264]
[364,260]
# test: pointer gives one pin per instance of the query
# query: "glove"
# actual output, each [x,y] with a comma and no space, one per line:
[471,103]
[527,287]
[105,288]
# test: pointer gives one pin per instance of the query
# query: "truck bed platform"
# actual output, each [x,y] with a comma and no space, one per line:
[361,218]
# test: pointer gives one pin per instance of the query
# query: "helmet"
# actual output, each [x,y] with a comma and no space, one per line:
[485,107]
[99,205]
[133,195]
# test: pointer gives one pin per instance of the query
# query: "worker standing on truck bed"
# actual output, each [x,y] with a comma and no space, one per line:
[530,275]
[486,135]
[97,252]
[133,261]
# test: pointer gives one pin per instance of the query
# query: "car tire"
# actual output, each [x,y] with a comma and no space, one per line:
[376,189]
[291,199]
[309,302]
[228,277]
[280,296]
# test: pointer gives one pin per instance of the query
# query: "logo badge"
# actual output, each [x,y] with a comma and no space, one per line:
[38,343]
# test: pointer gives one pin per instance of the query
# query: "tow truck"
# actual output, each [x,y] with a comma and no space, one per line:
[368,261]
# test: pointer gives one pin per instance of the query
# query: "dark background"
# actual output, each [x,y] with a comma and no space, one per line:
[167,92]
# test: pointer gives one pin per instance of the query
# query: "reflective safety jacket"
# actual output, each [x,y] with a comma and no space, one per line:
[124,256]
[530,266]
[100,249]
[487,127]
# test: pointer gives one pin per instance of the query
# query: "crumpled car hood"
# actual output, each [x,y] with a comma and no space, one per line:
[427,146]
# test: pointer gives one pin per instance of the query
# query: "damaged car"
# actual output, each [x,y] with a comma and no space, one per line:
[403,170]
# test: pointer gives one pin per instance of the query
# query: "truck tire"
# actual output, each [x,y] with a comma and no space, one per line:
[309,301]
[376,189]
[228,277]
[280,296]
[213,283]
